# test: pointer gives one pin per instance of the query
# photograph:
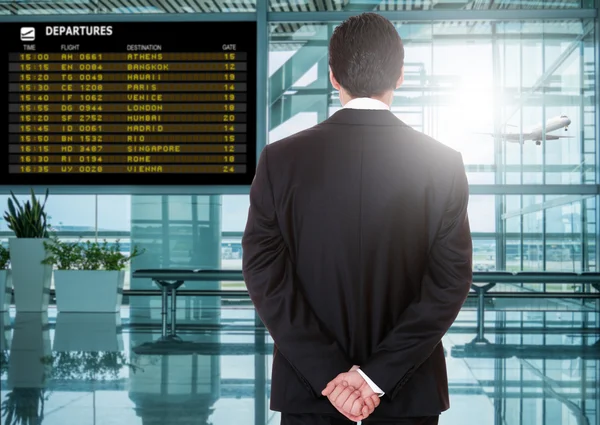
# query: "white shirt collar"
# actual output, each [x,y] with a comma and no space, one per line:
[366,103]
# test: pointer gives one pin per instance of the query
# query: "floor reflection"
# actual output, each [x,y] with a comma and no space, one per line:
[115,369]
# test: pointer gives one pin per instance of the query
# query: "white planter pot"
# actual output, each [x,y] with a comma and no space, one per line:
[31,279]
[88,291]
[30,346]
[5,287]
[88,332]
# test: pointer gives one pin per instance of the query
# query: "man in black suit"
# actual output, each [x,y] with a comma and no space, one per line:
[357,249]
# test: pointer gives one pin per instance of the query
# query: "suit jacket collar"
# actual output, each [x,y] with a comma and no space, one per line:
[348,116]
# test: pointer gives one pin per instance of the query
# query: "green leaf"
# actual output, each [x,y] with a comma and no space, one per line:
[11,208]
[27,219]
[4,257]
[16,201]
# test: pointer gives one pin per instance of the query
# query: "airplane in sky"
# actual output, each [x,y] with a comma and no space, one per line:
[536,133]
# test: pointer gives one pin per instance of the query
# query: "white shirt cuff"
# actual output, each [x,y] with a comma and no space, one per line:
[374,387]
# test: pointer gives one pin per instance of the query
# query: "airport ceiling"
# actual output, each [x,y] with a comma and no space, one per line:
[401,5]
[54,7]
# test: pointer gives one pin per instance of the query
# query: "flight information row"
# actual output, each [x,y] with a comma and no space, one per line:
[126,128]
[142,148]
[125,138]
[127,97]
[173,56]
[77,77]
[125,66]
[126,159]
[126,107]
[123,169]
[132,117]
[126,87]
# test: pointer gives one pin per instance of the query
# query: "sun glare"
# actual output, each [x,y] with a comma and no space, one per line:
[469,112]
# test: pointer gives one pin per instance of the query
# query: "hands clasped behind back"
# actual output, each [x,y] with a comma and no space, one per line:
[351,395]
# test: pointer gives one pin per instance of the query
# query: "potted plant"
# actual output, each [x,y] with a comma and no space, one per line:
[5,279]
[89,276]
[31,279]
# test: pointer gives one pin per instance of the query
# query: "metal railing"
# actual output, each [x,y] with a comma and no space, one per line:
[483,283]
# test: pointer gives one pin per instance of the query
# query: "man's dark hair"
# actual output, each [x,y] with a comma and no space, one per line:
[366,55]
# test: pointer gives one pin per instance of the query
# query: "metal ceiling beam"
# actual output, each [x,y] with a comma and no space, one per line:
[440,15]
[129,17]
[513,238]
[478,189]
[564,200]
[534,189]
[597,144]
[529,168]
[286,40]
[262,76]
[434,99]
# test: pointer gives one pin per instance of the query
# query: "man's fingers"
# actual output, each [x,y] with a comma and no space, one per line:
[343,397]
[376,400]
[328,389]
[353,400]
[366,411]
[336,392]
[357,407]
[351,417]
[370,404]
[339,395]
[338,380]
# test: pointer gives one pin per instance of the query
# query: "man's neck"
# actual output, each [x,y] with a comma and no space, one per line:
[366,103]
[385,98]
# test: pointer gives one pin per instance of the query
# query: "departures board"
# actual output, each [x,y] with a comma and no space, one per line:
[129,103]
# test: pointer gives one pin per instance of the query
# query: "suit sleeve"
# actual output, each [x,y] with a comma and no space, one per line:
[444,288]
[270,278]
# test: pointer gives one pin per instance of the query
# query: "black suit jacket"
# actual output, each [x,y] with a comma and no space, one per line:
[357,251]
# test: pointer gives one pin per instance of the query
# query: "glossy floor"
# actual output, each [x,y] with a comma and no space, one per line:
[534,368]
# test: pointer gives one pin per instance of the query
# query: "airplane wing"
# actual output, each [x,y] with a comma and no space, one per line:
[515,137]
[553,137]
[511,137]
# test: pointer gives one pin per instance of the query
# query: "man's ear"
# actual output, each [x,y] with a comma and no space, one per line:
[334,82]
[401,79]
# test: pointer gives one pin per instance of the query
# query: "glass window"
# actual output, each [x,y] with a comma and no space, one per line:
[114,213]
[482,213]
[515,98]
